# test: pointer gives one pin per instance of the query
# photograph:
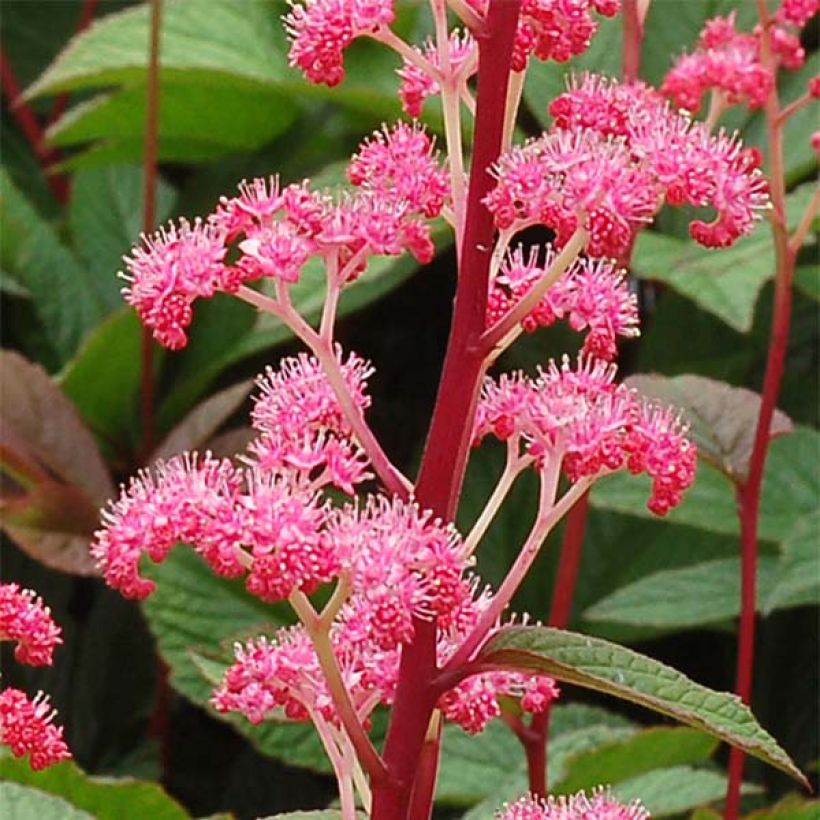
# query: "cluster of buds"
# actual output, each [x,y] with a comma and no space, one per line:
[26,725]
[276,230]
[581,419]
[732,63]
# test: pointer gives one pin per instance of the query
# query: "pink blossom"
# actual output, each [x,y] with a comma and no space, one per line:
[687,164]
[730,62]
[320,31]
[399,164]
[592,294]
[554,29]
[24,618]
[797,12]
[174,267]
[571,179]
[417,85]
[599,805]
[402,563]
[27,728]
[593,425]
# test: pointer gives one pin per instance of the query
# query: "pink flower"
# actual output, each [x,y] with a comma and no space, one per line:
[592,425]
[554,29]
[600,805]
[399,165]
[301,423]
[592,294]
[402,563]
[26,727]
[320,31]
[24,618]
[174,267]
[571,179]
[730,62]
[797,12]
[185,499]
[417,85]
[686,163]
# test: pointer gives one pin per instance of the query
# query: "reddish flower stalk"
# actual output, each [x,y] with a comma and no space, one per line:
[748,494]
[30,126]
[445,455]
[149,165]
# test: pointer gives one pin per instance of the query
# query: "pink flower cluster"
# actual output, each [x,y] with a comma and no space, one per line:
[24,618]
[417,84]
[593,295]
[282,675]
[590,425]
[268,515]
[730,62]
[26,726]
[600,805]
[301,424]
[554,29]
[616,153]
[320,31]
[276,230]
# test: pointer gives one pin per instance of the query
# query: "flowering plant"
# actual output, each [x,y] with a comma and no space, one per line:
[388,609]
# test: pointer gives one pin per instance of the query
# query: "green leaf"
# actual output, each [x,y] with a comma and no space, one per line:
[474,768]
[722,418]
[616,670]
[674,790]
[63,291]
[189,128]
[649,749]
[22,803]
[798,580]
[791,807]
[105,798]
[105,217]
[791,487]
[199,426]
[725,282]
[103,378]
[807,280]
[193,614]
[705,593]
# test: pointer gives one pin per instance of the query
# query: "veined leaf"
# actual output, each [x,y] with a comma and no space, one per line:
[23,803]
[616,670]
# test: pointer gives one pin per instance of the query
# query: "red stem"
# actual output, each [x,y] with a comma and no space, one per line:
[445,454]
[149,165]
[748,493]
[33,132]
[86,16]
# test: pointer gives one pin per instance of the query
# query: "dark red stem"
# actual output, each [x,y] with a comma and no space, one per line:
[149,165]
[445,455]
[86,16]
[30,126]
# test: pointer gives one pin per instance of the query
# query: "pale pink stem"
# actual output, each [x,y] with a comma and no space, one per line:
[341,767]
[323,647]
[389,38]
[515,90]
[506,329]
[466,14]
[793,107]
[805,223]
[548,516]
[392,479]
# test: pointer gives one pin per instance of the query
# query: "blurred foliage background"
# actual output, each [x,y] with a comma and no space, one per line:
[131,682]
